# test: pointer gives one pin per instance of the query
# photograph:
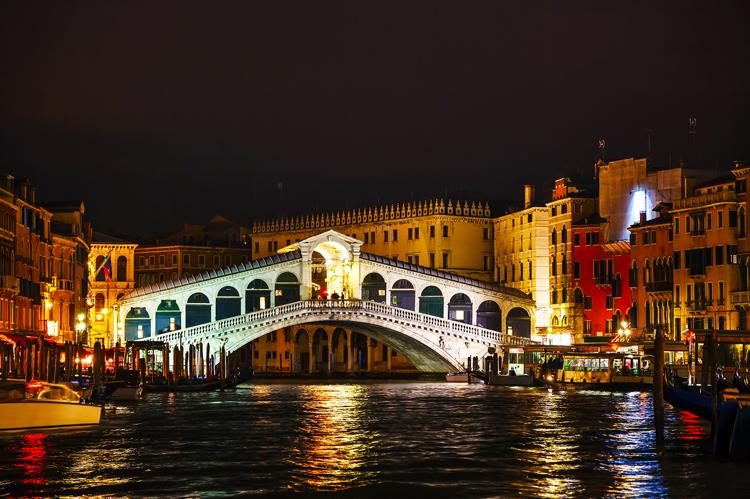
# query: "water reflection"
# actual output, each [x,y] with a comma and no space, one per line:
[335,448]
[31,450]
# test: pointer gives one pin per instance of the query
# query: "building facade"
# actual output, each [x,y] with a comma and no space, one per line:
[167,263]
[103,311]
[443,234]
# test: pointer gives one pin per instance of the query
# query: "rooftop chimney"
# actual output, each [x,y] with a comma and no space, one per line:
[643,217]
[528,196]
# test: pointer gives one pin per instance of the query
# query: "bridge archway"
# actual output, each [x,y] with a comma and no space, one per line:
[373,287]
[137,324]
[197,310]
[518,322]
[459,308]
[301,351]
[228,303]
[287,289]
[431,301]
[168,316]
[257,296]
[403,294]
[333,268]
[489,316]
[339,350]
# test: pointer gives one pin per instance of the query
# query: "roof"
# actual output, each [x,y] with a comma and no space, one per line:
[723,179]
[590,220]
[444,275]
[234,269]
[662,220]
[101,238]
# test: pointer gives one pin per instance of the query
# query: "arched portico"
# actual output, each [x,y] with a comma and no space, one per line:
[403,294]
[227,303]
[287,289]
[168,316]
[459,308]
[137,324]
[374,287]
[489,315]
[257,296]
[518,323]
[431,301]
[197,310]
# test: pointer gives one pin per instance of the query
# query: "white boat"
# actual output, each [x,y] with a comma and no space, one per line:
[43,405]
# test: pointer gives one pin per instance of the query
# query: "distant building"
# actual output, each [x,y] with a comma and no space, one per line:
[103,312]
[441,234]
[71,238]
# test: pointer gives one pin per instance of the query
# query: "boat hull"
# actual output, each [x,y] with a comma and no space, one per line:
[47,414]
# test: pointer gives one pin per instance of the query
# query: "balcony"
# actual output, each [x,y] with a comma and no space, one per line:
[697,304]
[10,283]
[704,200]
[603,280]
[697,270]
[698,232]
[658,286]
[740,297]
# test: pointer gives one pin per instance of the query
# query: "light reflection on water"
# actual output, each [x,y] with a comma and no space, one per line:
[371,439]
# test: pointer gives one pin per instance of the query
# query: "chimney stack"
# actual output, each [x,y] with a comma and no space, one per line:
[528,196]
[643,217]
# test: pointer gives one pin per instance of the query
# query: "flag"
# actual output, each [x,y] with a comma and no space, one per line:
[107,269]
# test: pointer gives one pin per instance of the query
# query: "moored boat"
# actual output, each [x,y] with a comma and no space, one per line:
[457,377]
[40,404]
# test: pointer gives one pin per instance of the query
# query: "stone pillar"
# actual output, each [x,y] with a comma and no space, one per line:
[292,359]
[312,353]
[370,354]
[388,359]
[348,333]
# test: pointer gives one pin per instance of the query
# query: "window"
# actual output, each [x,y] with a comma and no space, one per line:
[432,260]
[587,327]
[529,218]
[564,208]
[445,260]
[554,236]
[554,211]
[217,260]
[564,235]
[257,247]
[270,246]
[409,233]
[445,231]
[576,270]
[594,238]
[677,224]
[416,259]
[201,260]
[721,293]
[152,260]
[677,259]
[486,263]
[588,239]
[530,273]
[608,302]
[587,302]
[141,261]
[720,219]
[186,259]
[708,221]
[577,239]
[416,232]
[276,244]
[733,218]
[367,237]
[395,235]
[677,295]
[485,233]
[161,260]
[719,255]
[632,239]
[432,231]
[385,236]
[554,296]
[174,259]
[564,269]
[372,237]
[554,265]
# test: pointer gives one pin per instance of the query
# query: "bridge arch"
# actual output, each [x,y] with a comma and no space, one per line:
[374,287]
[403,294]
[257,296]
[168,316]
[137,323]
[431,301]
[518,322]
[489,315]
[321,349]
[301,348]
[286,289]
[228,303]
[197,310]
[339,348]
[459,308]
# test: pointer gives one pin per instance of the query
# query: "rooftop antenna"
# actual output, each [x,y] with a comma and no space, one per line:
[601,145]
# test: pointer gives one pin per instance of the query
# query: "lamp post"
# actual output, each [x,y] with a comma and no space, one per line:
[624,331]
[80,327]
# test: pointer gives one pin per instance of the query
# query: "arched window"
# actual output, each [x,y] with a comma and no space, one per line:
[122,268]
[99,302]
[554,265]
[578,296]
[564,235]
[520,270]
[530,273]
[554,236]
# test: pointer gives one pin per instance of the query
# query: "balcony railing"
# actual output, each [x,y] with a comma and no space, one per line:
[697,304]
[603,280]
[739,297]
[704,199]
[698,232]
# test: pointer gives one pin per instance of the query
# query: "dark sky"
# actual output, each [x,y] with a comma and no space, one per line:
[159,113]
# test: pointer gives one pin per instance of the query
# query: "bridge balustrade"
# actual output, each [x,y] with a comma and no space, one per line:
[477,332]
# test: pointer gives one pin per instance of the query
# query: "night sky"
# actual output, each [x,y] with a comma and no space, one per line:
[160,113]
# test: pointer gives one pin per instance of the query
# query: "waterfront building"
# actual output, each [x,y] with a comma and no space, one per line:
[651,276]
[571,202]
[192,250]
[601,294]
[32,257]
[707,227]
[9,283]
[68,286]
[521,254]
[106,291]
[441,234]
[740,295]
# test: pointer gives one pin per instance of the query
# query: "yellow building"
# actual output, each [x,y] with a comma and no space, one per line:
[103,314]
[522,254]
[448,235]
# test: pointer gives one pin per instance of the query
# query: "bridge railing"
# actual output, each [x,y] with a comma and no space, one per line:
[342,305]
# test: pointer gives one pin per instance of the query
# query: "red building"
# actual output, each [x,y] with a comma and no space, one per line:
[601,293]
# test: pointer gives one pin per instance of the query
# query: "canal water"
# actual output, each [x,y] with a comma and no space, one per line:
[374,440]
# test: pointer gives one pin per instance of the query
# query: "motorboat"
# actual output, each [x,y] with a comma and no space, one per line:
[38,404]
[457,377]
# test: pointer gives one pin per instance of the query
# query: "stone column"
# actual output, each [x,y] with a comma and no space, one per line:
[312,353]
[370,355]
[388,359]
[348,333]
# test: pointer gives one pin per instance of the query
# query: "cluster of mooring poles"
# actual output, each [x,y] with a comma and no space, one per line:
[191,362]
[45,361]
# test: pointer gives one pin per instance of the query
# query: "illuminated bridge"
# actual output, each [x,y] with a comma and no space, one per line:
[436,319]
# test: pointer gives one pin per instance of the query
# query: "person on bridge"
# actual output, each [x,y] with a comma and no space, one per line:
[335,296]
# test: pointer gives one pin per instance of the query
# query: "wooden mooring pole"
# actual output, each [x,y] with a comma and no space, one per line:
[659,386]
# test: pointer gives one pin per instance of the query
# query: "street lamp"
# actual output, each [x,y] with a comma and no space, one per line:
[80,326]
[625,330]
